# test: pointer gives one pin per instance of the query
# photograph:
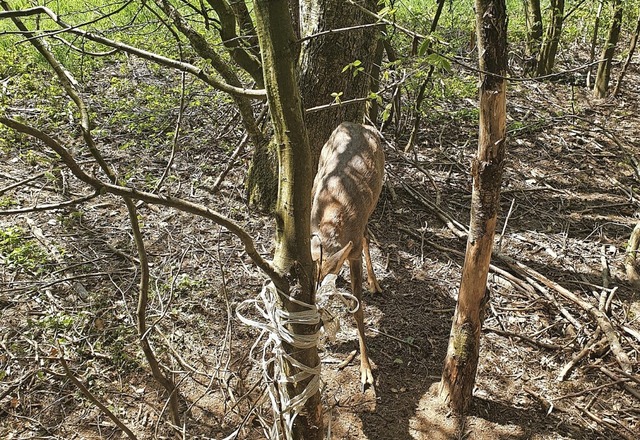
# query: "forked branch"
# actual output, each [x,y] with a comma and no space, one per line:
[156,58]
[168,201]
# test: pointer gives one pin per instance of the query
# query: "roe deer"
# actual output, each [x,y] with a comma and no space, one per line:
[345,192]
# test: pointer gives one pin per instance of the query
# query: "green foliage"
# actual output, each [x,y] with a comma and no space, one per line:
[438,61]
[57,321]
[7,201]
[71,219]
[19,252]
[355,68]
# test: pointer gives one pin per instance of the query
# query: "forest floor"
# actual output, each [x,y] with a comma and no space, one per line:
[568,209]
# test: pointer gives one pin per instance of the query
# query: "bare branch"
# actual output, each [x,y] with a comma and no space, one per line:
[50,206]
[169,201]
[232,41]
[83,51]
[159,59]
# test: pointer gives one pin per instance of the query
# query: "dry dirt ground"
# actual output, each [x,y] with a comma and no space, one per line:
[569,207]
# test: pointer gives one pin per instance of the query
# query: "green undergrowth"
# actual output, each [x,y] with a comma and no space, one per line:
[21,252]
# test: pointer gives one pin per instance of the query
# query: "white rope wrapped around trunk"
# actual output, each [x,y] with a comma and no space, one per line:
[274,327]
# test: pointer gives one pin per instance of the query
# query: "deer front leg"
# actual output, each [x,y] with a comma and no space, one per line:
[374,287]
[366,377]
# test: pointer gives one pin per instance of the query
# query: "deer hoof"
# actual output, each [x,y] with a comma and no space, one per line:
[366,379]
[374,287]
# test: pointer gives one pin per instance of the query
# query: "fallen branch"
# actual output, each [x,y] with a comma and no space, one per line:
[524,338]
[456,227]
[630,257]
[601,319]
[604,423]
[395,338]
[635,393]
[85,391]
[512,263]
[592,346]
[49,207]
[587,390]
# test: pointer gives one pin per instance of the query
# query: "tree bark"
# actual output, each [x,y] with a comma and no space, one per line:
[423,87]
[594,41]
[461,362]
[323,59]
[292,258]
[630,259]
[604,68]
[627,61]
[245,59]
[376,68]
[245,23]
[534,31]
[547,56]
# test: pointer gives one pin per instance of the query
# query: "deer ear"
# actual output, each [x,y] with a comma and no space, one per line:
[333,264]
[316,248]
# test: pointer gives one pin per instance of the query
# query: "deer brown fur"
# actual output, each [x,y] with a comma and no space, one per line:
[345,192]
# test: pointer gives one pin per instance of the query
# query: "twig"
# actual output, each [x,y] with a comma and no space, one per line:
[168,62]
[604,423]
[546,403]
[457,228]
[230,164]
[512,264]
[94,400]
[631,256]
[524,338]
[348,359]
[587,390]
[631,332]
[21,182]
[51,206]
[504,227]
[520,284]
[83,51]
[339,30]
[601,319]
[176,134]
[633,377]
[395,338]
[635,393]
[590,347]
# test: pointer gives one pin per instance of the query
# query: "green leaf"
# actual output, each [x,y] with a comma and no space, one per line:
[438,61]
[387,112]
[423,47]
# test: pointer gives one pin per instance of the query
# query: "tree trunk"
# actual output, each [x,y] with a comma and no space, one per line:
[630,259]
[461,363]
[376,68]
[227,28]
[292,259]
[594,41]
[323,59]
[627,61]
[423,87]
[549,47]
[533,16]
[604,68]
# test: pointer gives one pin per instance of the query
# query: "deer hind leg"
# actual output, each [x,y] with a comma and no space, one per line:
[374,287]
[366,377]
